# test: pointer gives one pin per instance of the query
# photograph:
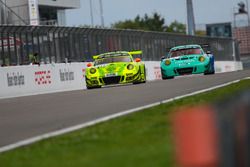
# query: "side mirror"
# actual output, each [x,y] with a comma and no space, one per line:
[137,60]
[208,52]
[89,64]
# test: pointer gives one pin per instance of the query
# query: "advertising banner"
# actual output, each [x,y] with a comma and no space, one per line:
[33,12]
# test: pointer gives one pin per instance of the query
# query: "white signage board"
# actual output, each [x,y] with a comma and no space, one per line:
[33,12]
[47,78]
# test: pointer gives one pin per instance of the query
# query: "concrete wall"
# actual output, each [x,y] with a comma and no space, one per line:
[227,66]
[33,79]
[16,3]
[20,7]
[60,3]
[61,17]
[55,3]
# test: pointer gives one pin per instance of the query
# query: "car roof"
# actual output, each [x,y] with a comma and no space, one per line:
[185,47]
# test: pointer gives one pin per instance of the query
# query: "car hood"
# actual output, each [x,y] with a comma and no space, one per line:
[112,67]
[186,57]
[185,60]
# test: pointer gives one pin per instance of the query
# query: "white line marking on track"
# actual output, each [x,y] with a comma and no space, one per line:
[103,119]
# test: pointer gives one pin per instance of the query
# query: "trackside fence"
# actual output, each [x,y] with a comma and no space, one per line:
[73,44]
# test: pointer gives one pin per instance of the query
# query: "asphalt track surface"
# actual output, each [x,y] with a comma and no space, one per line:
[26,117]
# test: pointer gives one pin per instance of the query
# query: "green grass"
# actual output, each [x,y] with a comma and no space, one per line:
[142,139]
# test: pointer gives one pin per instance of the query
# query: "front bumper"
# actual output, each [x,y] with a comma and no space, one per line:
[111,80]
[185,70]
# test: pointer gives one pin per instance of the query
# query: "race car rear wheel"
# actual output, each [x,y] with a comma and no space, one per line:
[210,70]
[145,76]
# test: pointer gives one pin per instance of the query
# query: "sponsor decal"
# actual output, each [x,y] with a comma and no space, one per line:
[83,72]
[9,42]
[43,77]
[66,75]
[15,79]
[157,72]
[102,65]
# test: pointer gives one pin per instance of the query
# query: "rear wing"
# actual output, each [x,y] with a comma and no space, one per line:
[117,53]
[135,52]
[205,47]
[96,57]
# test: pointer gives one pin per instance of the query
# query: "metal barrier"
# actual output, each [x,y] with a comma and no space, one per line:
[72,44]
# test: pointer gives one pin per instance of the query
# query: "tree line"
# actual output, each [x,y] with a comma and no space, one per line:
[155,22]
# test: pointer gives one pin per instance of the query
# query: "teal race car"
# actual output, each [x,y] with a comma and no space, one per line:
[115,68]
[186,59]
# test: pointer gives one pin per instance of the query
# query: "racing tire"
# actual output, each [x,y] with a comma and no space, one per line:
[144,81]
[94,87]
[211,70]
[164,78]
[145,76]
[209,73]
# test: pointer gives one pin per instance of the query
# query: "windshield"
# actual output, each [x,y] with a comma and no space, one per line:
[182,52]
[113,60]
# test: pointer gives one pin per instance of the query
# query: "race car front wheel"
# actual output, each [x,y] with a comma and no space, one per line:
[141,79]
[93,87]
[164,77]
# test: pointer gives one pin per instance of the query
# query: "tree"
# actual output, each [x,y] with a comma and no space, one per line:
[148,23]
[151,23]
[177,27]
[127,24]
[154,23]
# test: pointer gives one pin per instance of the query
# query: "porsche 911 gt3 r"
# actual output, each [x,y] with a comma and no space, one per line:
[115,68]
[186,59]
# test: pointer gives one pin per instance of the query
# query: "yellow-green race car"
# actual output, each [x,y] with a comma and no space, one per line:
[115,68]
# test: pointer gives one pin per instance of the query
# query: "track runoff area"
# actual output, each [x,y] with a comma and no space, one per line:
[26,120]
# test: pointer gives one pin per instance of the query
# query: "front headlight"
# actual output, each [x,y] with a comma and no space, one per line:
[167,62]
[201,58]
[92,70]
[130,67]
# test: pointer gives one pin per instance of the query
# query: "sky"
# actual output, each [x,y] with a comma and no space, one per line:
[205,11]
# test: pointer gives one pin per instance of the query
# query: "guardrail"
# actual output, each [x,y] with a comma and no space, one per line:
[18,44]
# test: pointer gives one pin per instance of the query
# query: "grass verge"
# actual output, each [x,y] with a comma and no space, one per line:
[142,139]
